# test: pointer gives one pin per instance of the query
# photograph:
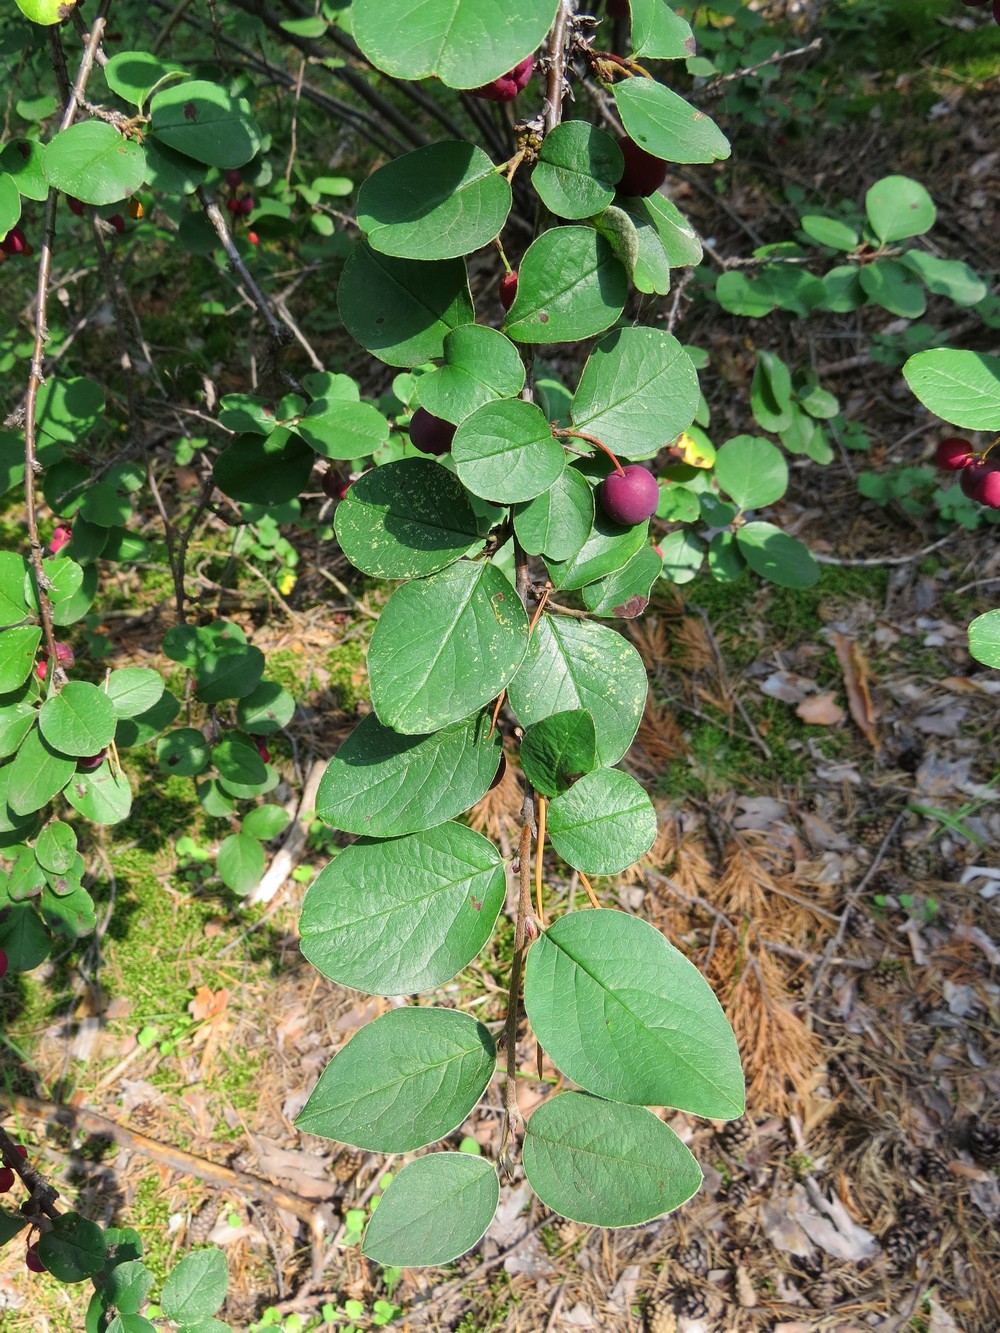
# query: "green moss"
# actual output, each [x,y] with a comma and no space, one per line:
[348,673]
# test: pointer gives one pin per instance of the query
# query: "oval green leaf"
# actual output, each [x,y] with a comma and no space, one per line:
[38,772]
[577,170]
[480,365]
[777,557]
[962,388]
[204,121]
[570,286]
[436,1209]
[752,471]
[603,823]
[101,796]
[94,163]
[505,452]
[134,690]
[898,207]
[343,429]
[73,1248]
[665,125]
[55,847]
[557,751]
[625,593]
[196,1288]
[557,522]
[80,720]
[240,862]
[264,469]
[404,1081]
[606,1165]
[608,547]
[628,1017]
[392,918]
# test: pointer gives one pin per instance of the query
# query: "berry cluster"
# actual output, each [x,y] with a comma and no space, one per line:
[980,479]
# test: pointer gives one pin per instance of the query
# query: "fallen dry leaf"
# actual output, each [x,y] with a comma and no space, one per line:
[821,710]
[854,666]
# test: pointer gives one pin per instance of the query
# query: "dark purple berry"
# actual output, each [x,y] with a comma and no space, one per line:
[630,496]
[430,434]
[643,174]
[953,453]
[508,289]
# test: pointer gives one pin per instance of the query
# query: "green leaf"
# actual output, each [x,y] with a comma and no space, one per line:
[771,393]
[570,286]
[55,847]
[196,1288]
[266,709]
[10,204]
[445,646]
[239,761]
[383,784]
[396,917]
[577,169]
[742,295]
[624,594]
[17,655]
[603,823]
[891,285]
[436,1209]
[752,471]
[574,664]
[69,408]
[400,310]
[480,365]
[137,730]
[266,822]
[94,163]
[898,207]
[606,1165]
[127,1286]
[185,752]
[68,915]
[16,720]
[405,520]
[665,125]
[135,1323]
[73,1248]
[608,547]
[267,470]
[637,393]
[23,938]
[464,45]
[46,12]
[946,277]
[21,159]
[14,827]
[679,239]
[625,1015]
[557,522]
[505,452]
[101,796]
[405,1080]
[559,750]
[65,578]
[240,862]
[438,202]
[984,639]
[13,572]
[80,720]
[11,1225]
[134,74]
[37,773]
[172,173]
[777,557]
[204,121]
[834,232]
[842,290]
[658,33]
[134,690]
[341,429]
[231,673]
[962,388]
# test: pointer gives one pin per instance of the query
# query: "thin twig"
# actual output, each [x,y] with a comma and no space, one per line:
[712,89]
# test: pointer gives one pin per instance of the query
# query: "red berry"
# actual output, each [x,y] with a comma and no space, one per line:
[233,205]
[7,1179]
[430,434]
[507,86]
[508,289]
[75,206]
[15,242]
[246,204]
[253,238]
[953,453]
[60,537]
[233,178]
[263,751]
[643,174]
[332,483]
[3,972]
[118,222]
[91,762]
[985,485]
[630,496]
[32,1260]
[972,475]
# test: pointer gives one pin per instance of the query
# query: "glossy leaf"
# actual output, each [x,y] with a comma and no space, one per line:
[892,285]
[638,392]
[658,33]
[573,664]
[383,784]
[94,163]
[577,169]
[777,557]
[438,202]
[603,823]
[557,522]
[445,646]
[625,593]
[984,639]
[38,772]
[70,914]
[196,1287]
[405,520]
[134,74]
[752,471]
[205,121]
[559,750]
[184,752]
[266,822]
[946,277]
[625,1015]
[46,12]
[479,366]
[898,207]
[400,310]
[834,232]
[665,125]
[962,388]
[405,915]
[505,452]
[21,160]
[23,938]
[266,470]
[677,236]
[570,286]
[17,655]
[266,709]
[403,1081]
[134,690]
[436,1209]
[608,547]
[100,795]
[80,720]
[73,1248]
[55,847]
[13,572]
[606,1165]
[464,44]
[16,720]
[342,429]
[240,862]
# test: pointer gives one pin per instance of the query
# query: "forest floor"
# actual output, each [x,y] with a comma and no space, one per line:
[827,772]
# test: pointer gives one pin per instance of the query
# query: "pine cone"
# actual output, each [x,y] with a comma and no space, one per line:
[824,1293]
[692,1258]
[203,1219]
[736,1134]
[913,1230]
[918,862]
[934,1167]
[690,1303]
[660,1317]
[875,829]
[566,1232]
[348,1164]
[738,1192]
[984,1141]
